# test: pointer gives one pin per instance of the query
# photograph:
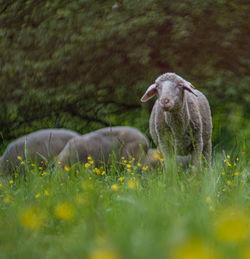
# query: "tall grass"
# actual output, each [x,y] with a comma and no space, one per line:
[127,211]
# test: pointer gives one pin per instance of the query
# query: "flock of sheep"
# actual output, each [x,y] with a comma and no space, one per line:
[180,124]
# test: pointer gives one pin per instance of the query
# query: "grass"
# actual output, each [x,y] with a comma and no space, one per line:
[127,212]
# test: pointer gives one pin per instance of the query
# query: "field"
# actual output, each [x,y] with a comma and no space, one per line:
[85,65]
[127,211]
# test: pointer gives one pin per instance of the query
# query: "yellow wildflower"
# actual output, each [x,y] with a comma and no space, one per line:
[123,158]
[128,166]
[59,162]
[145,168]
[228,156]
[225,160]
[223,173]
[138,164]
[86,165]
[133,159]
[66,168]
[44,173]
[156,155]
[91,162]
[121,179]
[32,218]
[236,173]
[103,172]
[65,211]
[114,187]
[33,165]
[46,192]
[125,161]
[231,225]
[89,158]
[19,157]
[237,159]
[97,171]
[1,184]
[90,178]
[22,163]
[129,170]
[228,164]
[11,181]
[37,195]
[229,182]
[40,168]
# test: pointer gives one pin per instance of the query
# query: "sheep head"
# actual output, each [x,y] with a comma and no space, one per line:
[169,88]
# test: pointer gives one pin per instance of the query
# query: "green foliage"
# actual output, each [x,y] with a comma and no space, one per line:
[85,64]
[81,212]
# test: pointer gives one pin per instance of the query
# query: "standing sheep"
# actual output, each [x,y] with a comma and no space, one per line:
[100,144]
[36,146]
[180,120]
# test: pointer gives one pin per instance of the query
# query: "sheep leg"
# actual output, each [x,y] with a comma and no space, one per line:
[166,145]
[197,150]
[207,150]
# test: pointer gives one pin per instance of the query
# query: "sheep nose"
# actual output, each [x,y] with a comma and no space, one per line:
[164,101]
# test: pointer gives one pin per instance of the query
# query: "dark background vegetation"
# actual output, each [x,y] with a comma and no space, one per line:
[85,64]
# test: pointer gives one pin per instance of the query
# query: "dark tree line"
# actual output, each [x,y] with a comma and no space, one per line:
[85,64]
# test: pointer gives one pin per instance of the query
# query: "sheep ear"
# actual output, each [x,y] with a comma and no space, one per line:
[151,91]
[189,87]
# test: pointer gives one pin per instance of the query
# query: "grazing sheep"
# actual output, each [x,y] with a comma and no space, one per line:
[133,142]
[100,144]
[180,121]
[36,146]
[91,145]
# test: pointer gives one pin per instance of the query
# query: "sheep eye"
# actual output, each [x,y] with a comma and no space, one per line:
[180,85]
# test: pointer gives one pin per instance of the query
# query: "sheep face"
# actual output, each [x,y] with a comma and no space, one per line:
[169,88]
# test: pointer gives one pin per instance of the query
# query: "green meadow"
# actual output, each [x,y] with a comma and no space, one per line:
[127,211]
[84,65]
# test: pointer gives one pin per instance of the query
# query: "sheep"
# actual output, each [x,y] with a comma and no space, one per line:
[133,142]
[120,141]
[180,121]
[91,145]
[37,146]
